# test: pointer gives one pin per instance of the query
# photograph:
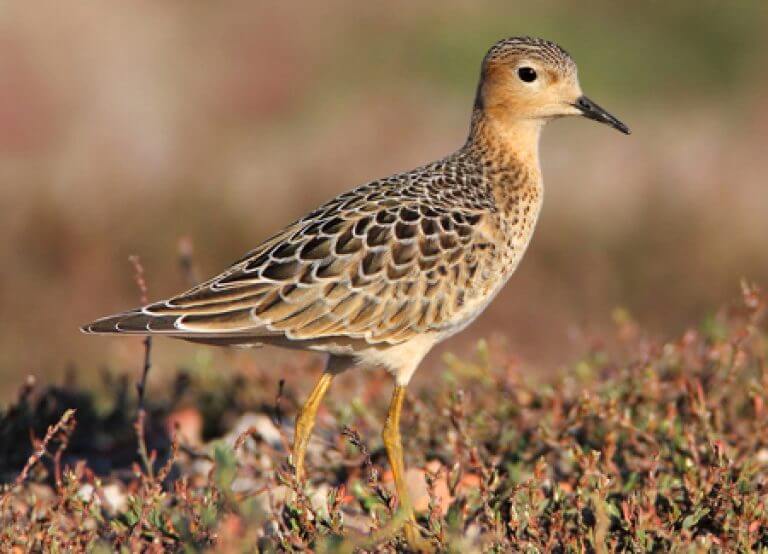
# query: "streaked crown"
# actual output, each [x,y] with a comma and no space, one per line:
[509,49]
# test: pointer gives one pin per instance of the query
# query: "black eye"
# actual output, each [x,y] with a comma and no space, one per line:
[527,74]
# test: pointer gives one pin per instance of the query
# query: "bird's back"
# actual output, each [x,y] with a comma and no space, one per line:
[418,252]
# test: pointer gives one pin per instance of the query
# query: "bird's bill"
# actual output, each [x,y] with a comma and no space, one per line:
[591,110]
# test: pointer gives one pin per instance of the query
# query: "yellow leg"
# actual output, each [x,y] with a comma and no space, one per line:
[394,447]
[305,421]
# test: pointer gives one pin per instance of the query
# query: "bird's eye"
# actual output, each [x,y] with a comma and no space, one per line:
[527,74]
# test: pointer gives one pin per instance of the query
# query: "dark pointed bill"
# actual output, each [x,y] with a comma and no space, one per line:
[593,111]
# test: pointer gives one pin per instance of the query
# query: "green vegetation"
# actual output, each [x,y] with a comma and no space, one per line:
[653,447]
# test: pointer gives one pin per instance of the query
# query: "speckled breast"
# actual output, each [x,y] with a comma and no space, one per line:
[518,198]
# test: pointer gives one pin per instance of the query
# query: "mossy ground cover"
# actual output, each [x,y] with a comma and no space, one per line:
[645,446]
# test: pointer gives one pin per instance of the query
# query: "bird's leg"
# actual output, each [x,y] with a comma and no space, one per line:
[305,421]
[394,447]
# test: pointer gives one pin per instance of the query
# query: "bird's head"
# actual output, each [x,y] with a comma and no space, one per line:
[527,79]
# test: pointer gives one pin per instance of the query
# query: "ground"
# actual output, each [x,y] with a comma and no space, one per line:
[650,447]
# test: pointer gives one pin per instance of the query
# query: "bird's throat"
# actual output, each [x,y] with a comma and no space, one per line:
[500,136]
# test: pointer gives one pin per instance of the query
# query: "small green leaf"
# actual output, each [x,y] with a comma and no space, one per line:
[226,466]
[694,518]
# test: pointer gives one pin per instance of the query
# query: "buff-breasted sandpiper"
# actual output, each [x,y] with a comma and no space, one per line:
[380,274]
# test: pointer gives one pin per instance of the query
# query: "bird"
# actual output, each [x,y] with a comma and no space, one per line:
[379,275]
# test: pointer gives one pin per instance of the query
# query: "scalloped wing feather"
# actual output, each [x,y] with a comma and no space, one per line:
[376,263]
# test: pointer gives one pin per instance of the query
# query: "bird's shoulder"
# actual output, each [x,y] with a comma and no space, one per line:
[454,187]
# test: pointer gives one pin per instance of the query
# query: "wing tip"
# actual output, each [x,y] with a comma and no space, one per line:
[106,325]
[130,322]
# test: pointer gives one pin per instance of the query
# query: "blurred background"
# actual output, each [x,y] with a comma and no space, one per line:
[132,128]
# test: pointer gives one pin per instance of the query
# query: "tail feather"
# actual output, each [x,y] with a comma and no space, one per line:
[133,322]
[227,328]
[139,322]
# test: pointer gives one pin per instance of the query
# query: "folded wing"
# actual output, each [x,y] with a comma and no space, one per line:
[364,266]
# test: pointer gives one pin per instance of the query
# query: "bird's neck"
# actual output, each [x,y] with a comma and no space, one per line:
[508,150]
[501,138]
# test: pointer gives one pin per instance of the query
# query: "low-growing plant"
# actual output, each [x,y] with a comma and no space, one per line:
[647,446]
